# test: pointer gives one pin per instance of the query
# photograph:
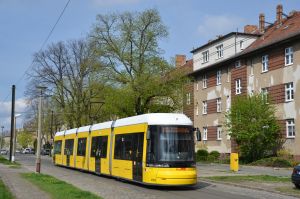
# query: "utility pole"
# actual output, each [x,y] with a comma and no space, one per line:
[15,138]
[12,123]
[38,148]
[2,137]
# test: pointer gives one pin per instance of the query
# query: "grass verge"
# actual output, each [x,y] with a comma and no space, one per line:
[57,189]
[253,178]
[4,192]
[289,189]
[5,161]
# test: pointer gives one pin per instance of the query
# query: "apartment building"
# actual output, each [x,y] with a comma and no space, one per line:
[268,62]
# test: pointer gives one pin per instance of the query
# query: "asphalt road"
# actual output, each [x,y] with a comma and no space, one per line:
[113,188]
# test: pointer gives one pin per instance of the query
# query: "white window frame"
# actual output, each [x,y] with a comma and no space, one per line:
[238,86]
[219,133]
[204,81]
[197,109]
[205,56]
[228,77]
[219,75]
[220,51]
[237,63]
[290,128]
[264,63]
[219,105]
[289,56]
[204,133]
[228,103]
[188,98]
[264,94]
[197,86]
[289,92]
[242,44]
[204,107]
[251,68]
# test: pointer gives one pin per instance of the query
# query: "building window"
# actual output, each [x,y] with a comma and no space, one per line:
[204,133]
[219,105]
[289,92]
[219,77]
[265,63]
[205,56]
[220,51]
[242,45]
[251,67]
[290,128]
[289,56]
[204,107]
[238,86]
[188,98]
[264,94]
[238,64]
[219,133]
[197,86]
[228,103]
[204,81]
[197,109]
[228,77]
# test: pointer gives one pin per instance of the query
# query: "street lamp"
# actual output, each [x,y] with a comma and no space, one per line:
[15,139]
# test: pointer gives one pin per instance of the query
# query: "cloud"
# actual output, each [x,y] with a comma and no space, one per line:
[5,112]
[114,2]
[219,24]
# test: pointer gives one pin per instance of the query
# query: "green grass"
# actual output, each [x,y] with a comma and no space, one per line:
[289,189]
[57,189]
[5,161]
[253,178]
[4,192]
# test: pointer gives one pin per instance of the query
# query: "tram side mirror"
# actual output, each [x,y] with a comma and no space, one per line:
[198,134]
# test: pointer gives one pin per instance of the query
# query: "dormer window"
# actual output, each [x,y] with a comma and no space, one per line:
[238,63]
[220,51]
[242,45]
[205,56]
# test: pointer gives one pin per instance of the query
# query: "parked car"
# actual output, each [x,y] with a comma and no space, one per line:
[28,151]
[3,152]
[296,176]
[45,152]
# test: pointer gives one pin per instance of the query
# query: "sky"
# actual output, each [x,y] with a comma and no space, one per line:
[191,23]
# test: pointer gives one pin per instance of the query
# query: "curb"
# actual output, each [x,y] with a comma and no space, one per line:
[246,186]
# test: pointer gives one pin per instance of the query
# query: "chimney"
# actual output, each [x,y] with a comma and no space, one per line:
[261,23]
[251,29]
[279,14]
[180,60]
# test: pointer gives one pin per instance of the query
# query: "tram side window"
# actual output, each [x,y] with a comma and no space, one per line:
[69,145]
[57,147]
[81,146]
[123,147]
[99,144]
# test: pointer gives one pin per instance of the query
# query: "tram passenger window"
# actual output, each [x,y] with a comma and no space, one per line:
[69,145]
[57,147]
[99,144]
[123,147]
[81,146]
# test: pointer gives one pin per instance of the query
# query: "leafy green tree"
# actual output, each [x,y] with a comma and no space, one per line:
[253,125]
[25,139]
[127,47]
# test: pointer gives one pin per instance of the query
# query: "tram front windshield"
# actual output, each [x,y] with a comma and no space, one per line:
[170,146]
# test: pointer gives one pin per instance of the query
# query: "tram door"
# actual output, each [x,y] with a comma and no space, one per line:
[137,156]
[99,147]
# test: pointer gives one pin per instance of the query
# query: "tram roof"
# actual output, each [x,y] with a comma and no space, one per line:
[155,119]
[84,129]
[99,126]
[59,133]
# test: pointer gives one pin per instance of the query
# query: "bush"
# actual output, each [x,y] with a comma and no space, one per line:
[202,155]
[215,155]
[273,162]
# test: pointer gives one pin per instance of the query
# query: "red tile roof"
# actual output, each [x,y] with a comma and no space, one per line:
[290,27]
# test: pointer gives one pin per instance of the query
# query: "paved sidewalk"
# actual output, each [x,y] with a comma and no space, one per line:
[18,186]
[208,170]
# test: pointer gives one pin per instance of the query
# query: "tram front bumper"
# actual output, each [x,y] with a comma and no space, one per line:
[176,176]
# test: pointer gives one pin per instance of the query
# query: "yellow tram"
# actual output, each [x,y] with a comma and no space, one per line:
[156,148]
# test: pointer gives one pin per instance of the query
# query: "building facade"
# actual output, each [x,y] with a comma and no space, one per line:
[261,60]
